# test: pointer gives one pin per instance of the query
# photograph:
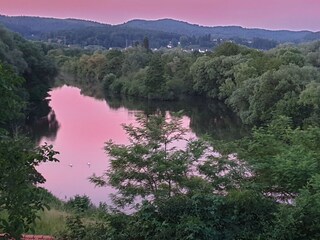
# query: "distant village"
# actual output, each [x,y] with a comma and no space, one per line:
[170,45]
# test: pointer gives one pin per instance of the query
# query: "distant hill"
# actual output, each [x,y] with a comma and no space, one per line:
[184,28]
[161,33]
[34,27]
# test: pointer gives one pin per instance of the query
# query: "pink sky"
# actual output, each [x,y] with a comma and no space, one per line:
[270,14]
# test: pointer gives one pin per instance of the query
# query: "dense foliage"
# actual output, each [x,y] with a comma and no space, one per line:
[29,61]
[25,74]
[271,193]
[268,190]
[257,85]
[264,186]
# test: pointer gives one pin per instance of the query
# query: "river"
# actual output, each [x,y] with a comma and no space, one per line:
[79,126]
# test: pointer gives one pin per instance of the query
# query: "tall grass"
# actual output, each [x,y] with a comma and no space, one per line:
[51,222]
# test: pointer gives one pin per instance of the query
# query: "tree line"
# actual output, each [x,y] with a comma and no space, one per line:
[257,85]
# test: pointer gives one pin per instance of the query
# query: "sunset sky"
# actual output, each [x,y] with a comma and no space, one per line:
[270,14]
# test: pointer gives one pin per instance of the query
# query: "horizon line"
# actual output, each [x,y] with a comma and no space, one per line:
[159,19]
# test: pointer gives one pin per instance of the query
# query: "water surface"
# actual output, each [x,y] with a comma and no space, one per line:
[81,124]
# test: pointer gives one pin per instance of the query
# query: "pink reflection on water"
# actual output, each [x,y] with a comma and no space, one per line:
[86,123]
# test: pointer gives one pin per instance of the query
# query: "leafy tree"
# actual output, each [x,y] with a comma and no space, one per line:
[136,87]
[311,95]
[301,219]
[108,80]
[115,59]
[155,82]
[176,71]
[202,83]
[134,60]
[227,49]
[19,197]
[11,102]
[283,159]
[211,74]
[151,167]
[292,56]
[75,228]
[275,93]
[80,204]
[309,98]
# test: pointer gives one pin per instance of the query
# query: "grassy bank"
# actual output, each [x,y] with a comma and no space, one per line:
[51,222]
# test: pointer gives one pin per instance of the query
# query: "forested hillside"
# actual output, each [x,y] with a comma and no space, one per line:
[35,27]
[161,33]
[225,32]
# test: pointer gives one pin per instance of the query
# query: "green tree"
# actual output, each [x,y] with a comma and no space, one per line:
[311,95]
[19,197]
[134,59]
[80,204]
[227,49]
[274,93]
[11,101]
[155,82]
[146,43]
[151,167]
[209,74]
[283,159]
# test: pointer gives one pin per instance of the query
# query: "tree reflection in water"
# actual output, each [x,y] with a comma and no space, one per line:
[207,116]
[46,127]
[43,122]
